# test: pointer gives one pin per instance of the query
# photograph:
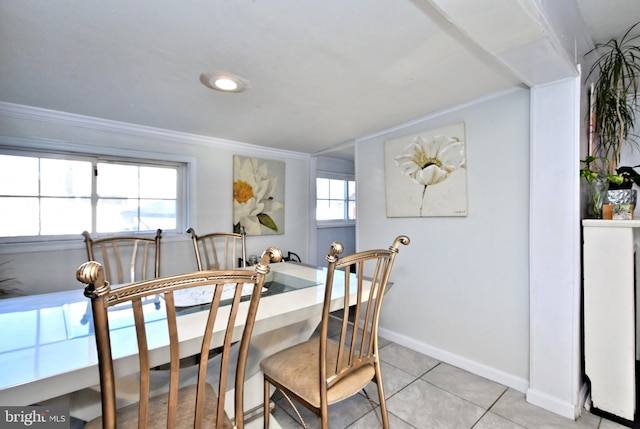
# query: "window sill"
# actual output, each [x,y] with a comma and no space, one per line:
[335,224]
[68,243]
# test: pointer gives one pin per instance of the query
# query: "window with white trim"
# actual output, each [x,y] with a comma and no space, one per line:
[47,194]
[335,199]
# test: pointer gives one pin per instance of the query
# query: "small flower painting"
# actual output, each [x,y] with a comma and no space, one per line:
[426,173]
[258,196]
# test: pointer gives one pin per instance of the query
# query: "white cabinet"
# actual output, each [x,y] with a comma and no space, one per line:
[609,314]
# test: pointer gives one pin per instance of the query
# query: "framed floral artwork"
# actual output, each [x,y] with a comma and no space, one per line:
[258,196]
[425,173]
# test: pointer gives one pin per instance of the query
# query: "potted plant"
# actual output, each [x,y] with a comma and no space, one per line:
[616,87]
[594,171]
[617,70]
[628,176]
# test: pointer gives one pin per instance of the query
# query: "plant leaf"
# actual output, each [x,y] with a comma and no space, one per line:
[266,220]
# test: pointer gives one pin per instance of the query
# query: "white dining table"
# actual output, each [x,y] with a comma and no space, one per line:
[47,351]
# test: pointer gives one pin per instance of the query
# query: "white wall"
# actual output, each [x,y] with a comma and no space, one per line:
[52,266]
[327,235]
[461,291]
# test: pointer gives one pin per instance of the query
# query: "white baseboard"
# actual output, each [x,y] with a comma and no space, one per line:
[540,399]
[554,404]
[509,380]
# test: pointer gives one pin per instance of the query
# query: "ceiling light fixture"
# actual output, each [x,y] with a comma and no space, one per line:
[224,82]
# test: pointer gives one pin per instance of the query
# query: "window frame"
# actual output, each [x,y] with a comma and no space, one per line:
[332,223]
[43,148]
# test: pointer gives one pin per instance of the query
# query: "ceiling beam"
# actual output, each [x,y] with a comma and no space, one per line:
[539,41]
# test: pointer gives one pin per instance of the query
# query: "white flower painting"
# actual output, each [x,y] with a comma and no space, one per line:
[258,196]
[425,173]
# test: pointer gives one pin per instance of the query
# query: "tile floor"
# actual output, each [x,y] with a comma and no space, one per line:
[424,393]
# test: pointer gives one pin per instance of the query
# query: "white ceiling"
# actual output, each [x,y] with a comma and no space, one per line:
[321,73]
[609,19]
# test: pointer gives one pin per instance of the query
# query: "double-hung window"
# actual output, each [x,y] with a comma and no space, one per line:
[335,199]
[47,194]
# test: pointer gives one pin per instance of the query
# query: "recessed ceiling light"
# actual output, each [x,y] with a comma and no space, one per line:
[224,82]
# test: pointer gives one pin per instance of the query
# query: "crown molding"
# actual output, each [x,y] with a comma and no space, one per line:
[98,124]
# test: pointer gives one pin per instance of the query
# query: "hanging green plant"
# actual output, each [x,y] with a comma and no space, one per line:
[617,70]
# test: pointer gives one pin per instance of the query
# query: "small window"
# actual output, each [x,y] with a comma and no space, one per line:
[335,199]
[46,194]
[136,198]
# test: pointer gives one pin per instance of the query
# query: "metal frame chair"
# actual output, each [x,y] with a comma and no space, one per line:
[199,405]
[220,250]
[125,259]
[321,371]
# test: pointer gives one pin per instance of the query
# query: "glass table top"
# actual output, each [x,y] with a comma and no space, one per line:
[66,315]
[48,341]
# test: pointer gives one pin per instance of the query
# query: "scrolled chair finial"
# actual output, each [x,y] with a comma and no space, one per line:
[92,274]
[401,239]
[271,254]
[335,249]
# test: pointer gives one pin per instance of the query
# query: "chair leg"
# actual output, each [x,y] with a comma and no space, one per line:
[324,424]
[383,401]
[267,399]
[324,414]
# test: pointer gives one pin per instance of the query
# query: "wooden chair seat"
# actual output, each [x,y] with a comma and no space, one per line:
[298,368]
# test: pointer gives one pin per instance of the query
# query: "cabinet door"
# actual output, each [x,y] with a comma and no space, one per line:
[609,318]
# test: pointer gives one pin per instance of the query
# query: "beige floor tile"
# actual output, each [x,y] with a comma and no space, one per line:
[370,420]
[514,407]
[407,360]
[425,406]
[471,387]
[493,421]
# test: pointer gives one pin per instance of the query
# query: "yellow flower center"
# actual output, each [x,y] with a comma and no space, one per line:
[242,191]
[424,161]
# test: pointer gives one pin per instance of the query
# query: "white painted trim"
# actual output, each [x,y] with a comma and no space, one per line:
[477,368]
[99,124]
[577,379]
[313,229]
[555,340]
[553,404]
[45,144]
[338,147]
[38,244]
[70,244]
[335,224]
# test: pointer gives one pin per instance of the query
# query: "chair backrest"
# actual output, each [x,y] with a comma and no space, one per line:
[217,329]
[220,250]
[358,341]
[126,259]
